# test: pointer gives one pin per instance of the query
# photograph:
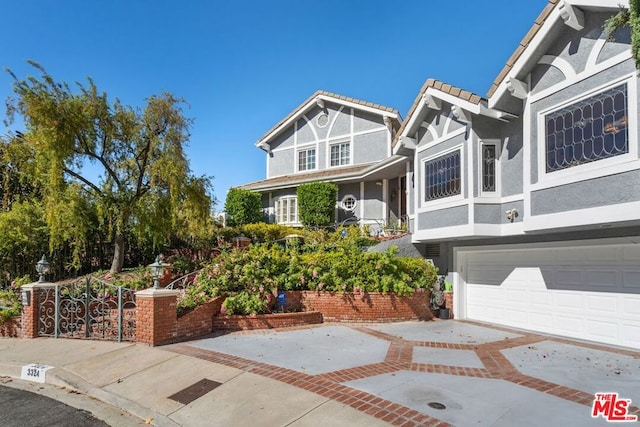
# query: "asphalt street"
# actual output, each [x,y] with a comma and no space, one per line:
[19,408]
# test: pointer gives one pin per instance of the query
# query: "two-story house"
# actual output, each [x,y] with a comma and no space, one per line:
[337,139]
[530,198]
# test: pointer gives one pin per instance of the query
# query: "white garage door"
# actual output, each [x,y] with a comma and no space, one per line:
[586,292]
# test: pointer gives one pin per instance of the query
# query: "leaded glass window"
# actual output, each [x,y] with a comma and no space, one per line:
[488,167]
[592,129]
[307,159]
[340,154]
[442,176]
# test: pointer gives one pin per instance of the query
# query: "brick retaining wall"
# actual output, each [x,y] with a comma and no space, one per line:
[199,320]
[11,328]
[266,321]
[362,307]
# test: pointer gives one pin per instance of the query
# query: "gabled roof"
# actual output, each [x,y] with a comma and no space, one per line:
[527,53]
[322,95]
[442,91]
[522,45]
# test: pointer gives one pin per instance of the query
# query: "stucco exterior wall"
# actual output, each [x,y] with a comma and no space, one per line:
[607,190]
[448,217]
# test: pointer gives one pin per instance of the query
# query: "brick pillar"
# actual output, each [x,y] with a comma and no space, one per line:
[156,316]
[448,298]
[30,312]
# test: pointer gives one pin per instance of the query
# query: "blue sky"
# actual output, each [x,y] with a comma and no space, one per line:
[243,65]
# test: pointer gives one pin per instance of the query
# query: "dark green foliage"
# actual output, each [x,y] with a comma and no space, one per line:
[330,263]
[243,207]
[317,203]
[627,18]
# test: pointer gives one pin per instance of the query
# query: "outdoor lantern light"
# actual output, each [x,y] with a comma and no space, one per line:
[42,267]
[157,269]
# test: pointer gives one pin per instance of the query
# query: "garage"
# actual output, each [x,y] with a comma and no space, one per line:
[583,291]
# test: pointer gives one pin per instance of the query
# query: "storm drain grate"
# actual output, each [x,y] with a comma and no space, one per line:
[436,405]
[194,391]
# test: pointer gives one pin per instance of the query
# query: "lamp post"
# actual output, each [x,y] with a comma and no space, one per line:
[42,267]
[157,269]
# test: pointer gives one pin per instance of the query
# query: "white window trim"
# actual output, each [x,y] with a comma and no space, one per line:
[286,199]
[297,158]
[445,202]
[498,189]
[595,169]
[338,143]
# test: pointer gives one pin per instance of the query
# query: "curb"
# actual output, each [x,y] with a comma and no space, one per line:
[60,377]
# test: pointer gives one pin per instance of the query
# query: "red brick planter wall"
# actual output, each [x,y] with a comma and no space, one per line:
[11,328]
[199,320]
[266,321]
[362,307]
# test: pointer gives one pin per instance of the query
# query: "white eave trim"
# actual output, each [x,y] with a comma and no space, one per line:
[432,93]
[316,101]
[531,53]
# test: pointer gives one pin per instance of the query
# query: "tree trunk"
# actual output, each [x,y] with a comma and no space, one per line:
[118,254]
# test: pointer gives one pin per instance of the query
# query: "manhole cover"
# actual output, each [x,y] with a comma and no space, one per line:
[436,405]
[194,391]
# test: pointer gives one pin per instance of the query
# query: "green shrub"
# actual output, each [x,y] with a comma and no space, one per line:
[10,305]
[333,263]
[243,207]
[317,203]
[245,303]
[263,233]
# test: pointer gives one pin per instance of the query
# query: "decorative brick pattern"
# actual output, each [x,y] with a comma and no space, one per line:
[399,357]
[266,321]
[362,307]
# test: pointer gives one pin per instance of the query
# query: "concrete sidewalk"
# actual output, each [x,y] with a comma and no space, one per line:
[140,379]
[435,373]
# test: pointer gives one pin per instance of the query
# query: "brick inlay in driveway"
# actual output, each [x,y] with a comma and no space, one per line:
[486,357]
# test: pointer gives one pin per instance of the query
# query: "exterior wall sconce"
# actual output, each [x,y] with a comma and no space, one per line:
[512,214]
[42,267]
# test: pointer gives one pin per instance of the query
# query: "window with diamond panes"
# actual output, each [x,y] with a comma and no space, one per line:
[307,159]
[589,130]
[340,154]
[442,176]
[488,167]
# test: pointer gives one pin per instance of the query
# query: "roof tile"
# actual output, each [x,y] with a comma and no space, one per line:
[446,88]
[295,179]
[540,20]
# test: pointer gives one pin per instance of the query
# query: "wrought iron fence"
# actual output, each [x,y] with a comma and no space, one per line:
[89,308]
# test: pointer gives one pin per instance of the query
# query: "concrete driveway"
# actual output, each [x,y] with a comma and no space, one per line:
[437,373]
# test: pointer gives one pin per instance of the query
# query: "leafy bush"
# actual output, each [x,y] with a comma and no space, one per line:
[243,207]
[10,305]
[245,303]
[263,233]
[334,263]
[317,203]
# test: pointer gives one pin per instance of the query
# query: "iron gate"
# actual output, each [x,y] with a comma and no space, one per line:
[89,308]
